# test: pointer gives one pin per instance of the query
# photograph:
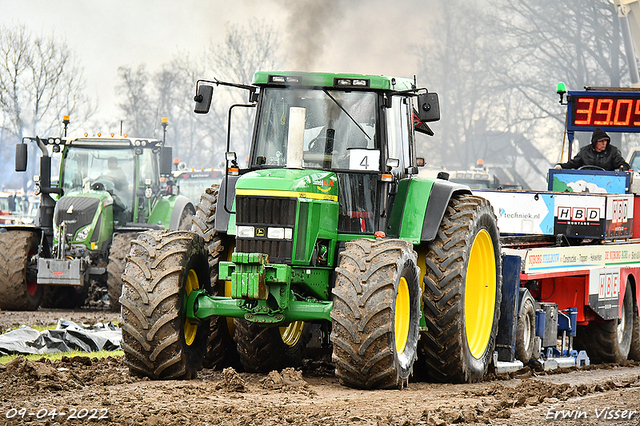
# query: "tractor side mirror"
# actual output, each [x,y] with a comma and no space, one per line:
[21,157]
[428,107]
[203,99]
[166,160]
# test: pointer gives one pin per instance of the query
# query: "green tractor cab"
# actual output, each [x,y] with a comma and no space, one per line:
[109,190]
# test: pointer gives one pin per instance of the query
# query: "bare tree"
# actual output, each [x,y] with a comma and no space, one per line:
[577,42]
[137,107]
[458,61]
[245,50]
[195,139]
[40,82]
[496,63]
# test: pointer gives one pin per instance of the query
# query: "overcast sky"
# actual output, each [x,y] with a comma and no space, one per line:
[363,36]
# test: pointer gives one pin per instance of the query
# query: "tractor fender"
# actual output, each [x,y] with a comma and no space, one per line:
[180,205]
[441,192]
[225,204]
[168,210]
[522,297]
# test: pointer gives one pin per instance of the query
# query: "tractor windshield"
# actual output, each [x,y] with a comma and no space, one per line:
[339,129]
[99,169]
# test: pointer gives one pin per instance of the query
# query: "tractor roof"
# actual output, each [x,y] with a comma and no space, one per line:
[103,142]
[332,80]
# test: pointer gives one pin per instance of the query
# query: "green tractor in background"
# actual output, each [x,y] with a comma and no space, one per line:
[109,190]
[329,230]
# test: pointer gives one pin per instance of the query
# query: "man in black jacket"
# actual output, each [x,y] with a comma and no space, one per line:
[599,154]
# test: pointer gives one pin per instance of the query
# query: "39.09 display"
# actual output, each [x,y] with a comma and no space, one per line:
[606,111]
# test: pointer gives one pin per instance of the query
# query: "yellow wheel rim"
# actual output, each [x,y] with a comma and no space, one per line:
[403,315]
[480,294]
[291,333]
[190,329]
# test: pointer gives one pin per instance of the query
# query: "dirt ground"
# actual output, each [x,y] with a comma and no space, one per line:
[103,391]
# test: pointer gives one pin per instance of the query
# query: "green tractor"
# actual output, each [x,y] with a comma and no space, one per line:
[109,190]
[328,231]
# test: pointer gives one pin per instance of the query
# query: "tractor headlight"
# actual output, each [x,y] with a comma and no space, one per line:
[275,233]
[83,233]
[245,231]
[280,233]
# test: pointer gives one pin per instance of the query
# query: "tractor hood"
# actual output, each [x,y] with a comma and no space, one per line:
[85,216]
[296,183]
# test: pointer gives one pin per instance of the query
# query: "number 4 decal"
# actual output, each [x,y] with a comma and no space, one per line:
[364,159]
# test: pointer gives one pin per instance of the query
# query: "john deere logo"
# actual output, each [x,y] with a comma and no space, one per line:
[260,232]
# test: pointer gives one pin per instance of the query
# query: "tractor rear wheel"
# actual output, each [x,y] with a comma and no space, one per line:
[263,349]
[158,340]
[221,348]
[376,314]
[117,257]
[610,340]
[526,332]
[462,292]
[19,290]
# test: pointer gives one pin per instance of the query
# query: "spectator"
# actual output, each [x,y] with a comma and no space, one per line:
[599,154]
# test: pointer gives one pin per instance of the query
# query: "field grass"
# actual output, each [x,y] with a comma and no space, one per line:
[5,359]
[35,327]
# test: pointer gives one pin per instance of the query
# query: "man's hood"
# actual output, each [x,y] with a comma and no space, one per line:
[598,134]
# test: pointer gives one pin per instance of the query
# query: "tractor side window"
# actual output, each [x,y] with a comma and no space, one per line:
[148,169]
[75,169]
[272,133]
[398,135]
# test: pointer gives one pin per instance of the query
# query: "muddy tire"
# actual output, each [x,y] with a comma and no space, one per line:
[161,269]
[186,219]
[376,314]
[117,259]
[19,289]
[634,350]
[526,332]
[221,348]
[263,349]
[610,340]
[462,292]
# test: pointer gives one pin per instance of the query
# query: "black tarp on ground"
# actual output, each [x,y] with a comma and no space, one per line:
[68,336]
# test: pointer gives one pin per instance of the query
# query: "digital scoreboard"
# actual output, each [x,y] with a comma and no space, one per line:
[614,111]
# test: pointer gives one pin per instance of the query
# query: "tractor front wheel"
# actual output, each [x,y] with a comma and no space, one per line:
[163,268]
[221,348]
[19,290]
[376,314]
[462,292]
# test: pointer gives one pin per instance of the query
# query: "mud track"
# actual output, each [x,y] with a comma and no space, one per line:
[311,396]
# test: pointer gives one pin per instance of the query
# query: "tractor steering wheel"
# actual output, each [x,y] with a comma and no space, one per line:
[590,167]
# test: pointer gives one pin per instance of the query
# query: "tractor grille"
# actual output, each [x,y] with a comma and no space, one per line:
[80,215]
[263,213]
